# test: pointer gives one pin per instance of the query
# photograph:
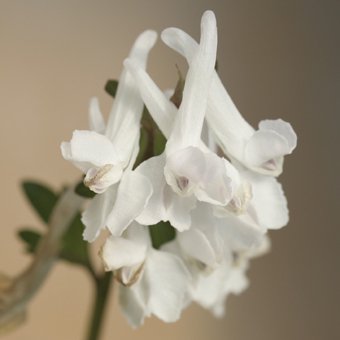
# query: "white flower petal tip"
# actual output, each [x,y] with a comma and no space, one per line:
[95,215]
[96,120]
[146,41]
[133,194]
[265,150]
[118,252]
[92,147]
[65,149]
[208,20]
[269,204]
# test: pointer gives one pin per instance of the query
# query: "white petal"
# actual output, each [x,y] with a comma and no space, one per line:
[65,148]
[261,249]
[209,138]
[124,119]
[204,174]
[264,147]
[282,128]
[66,152]
[100,179]
[236,283]
[178,209]
[96,120]
[154,211]
[185,165]
[90,147]
[196,245]
[132,304]
[217,183]
[202,242]
[138,234]
[119,252]
[167,280]
[212,289]
[161,109]
[208,290]
[133,194]
[269,204]
[95,215]
[189,120]
[240,233]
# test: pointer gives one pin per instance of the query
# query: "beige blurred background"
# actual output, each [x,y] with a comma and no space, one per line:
[277,59]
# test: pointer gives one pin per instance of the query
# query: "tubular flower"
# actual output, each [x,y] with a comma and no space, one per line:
[107,159]
[261,150]
[153,281]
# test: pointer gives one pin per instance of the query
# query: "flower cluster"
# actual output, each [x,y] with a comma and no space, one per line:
[214,184]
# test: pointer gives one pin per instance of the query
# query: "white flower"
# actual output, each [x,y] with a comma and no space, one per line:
[103,158]
[260,150]
[211,285]
[188,171]
[153,281]
[107,160]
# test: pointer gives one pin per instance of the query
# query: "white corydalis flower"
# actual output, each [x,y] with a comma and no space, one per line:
[106,155]
[261,150]
[211,285]
[152,281]
[211,240]
[188,169]
[103,157]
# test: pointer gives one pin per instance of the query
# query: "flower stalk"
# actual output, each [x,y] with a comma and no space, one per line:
[103,286]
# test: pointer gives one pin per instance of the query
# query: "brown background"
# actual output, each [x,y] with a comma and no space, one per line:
[277,58]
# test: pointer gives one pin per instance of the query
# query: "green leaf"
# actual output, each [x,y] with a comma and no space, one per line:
[42,198]
[161,233]
[143,146]
[111,87]
[74,248]
[31,239]
[84,191]
[158,143]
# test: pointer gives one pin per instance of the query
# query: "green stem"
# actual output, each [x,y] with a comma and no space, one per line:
[101,297]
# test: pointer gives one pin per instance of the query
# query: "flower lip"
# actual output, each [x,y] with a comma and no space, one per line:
[98,179]
[94,175]
[241,199]
[191,171]
[129,276]
[182,182]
